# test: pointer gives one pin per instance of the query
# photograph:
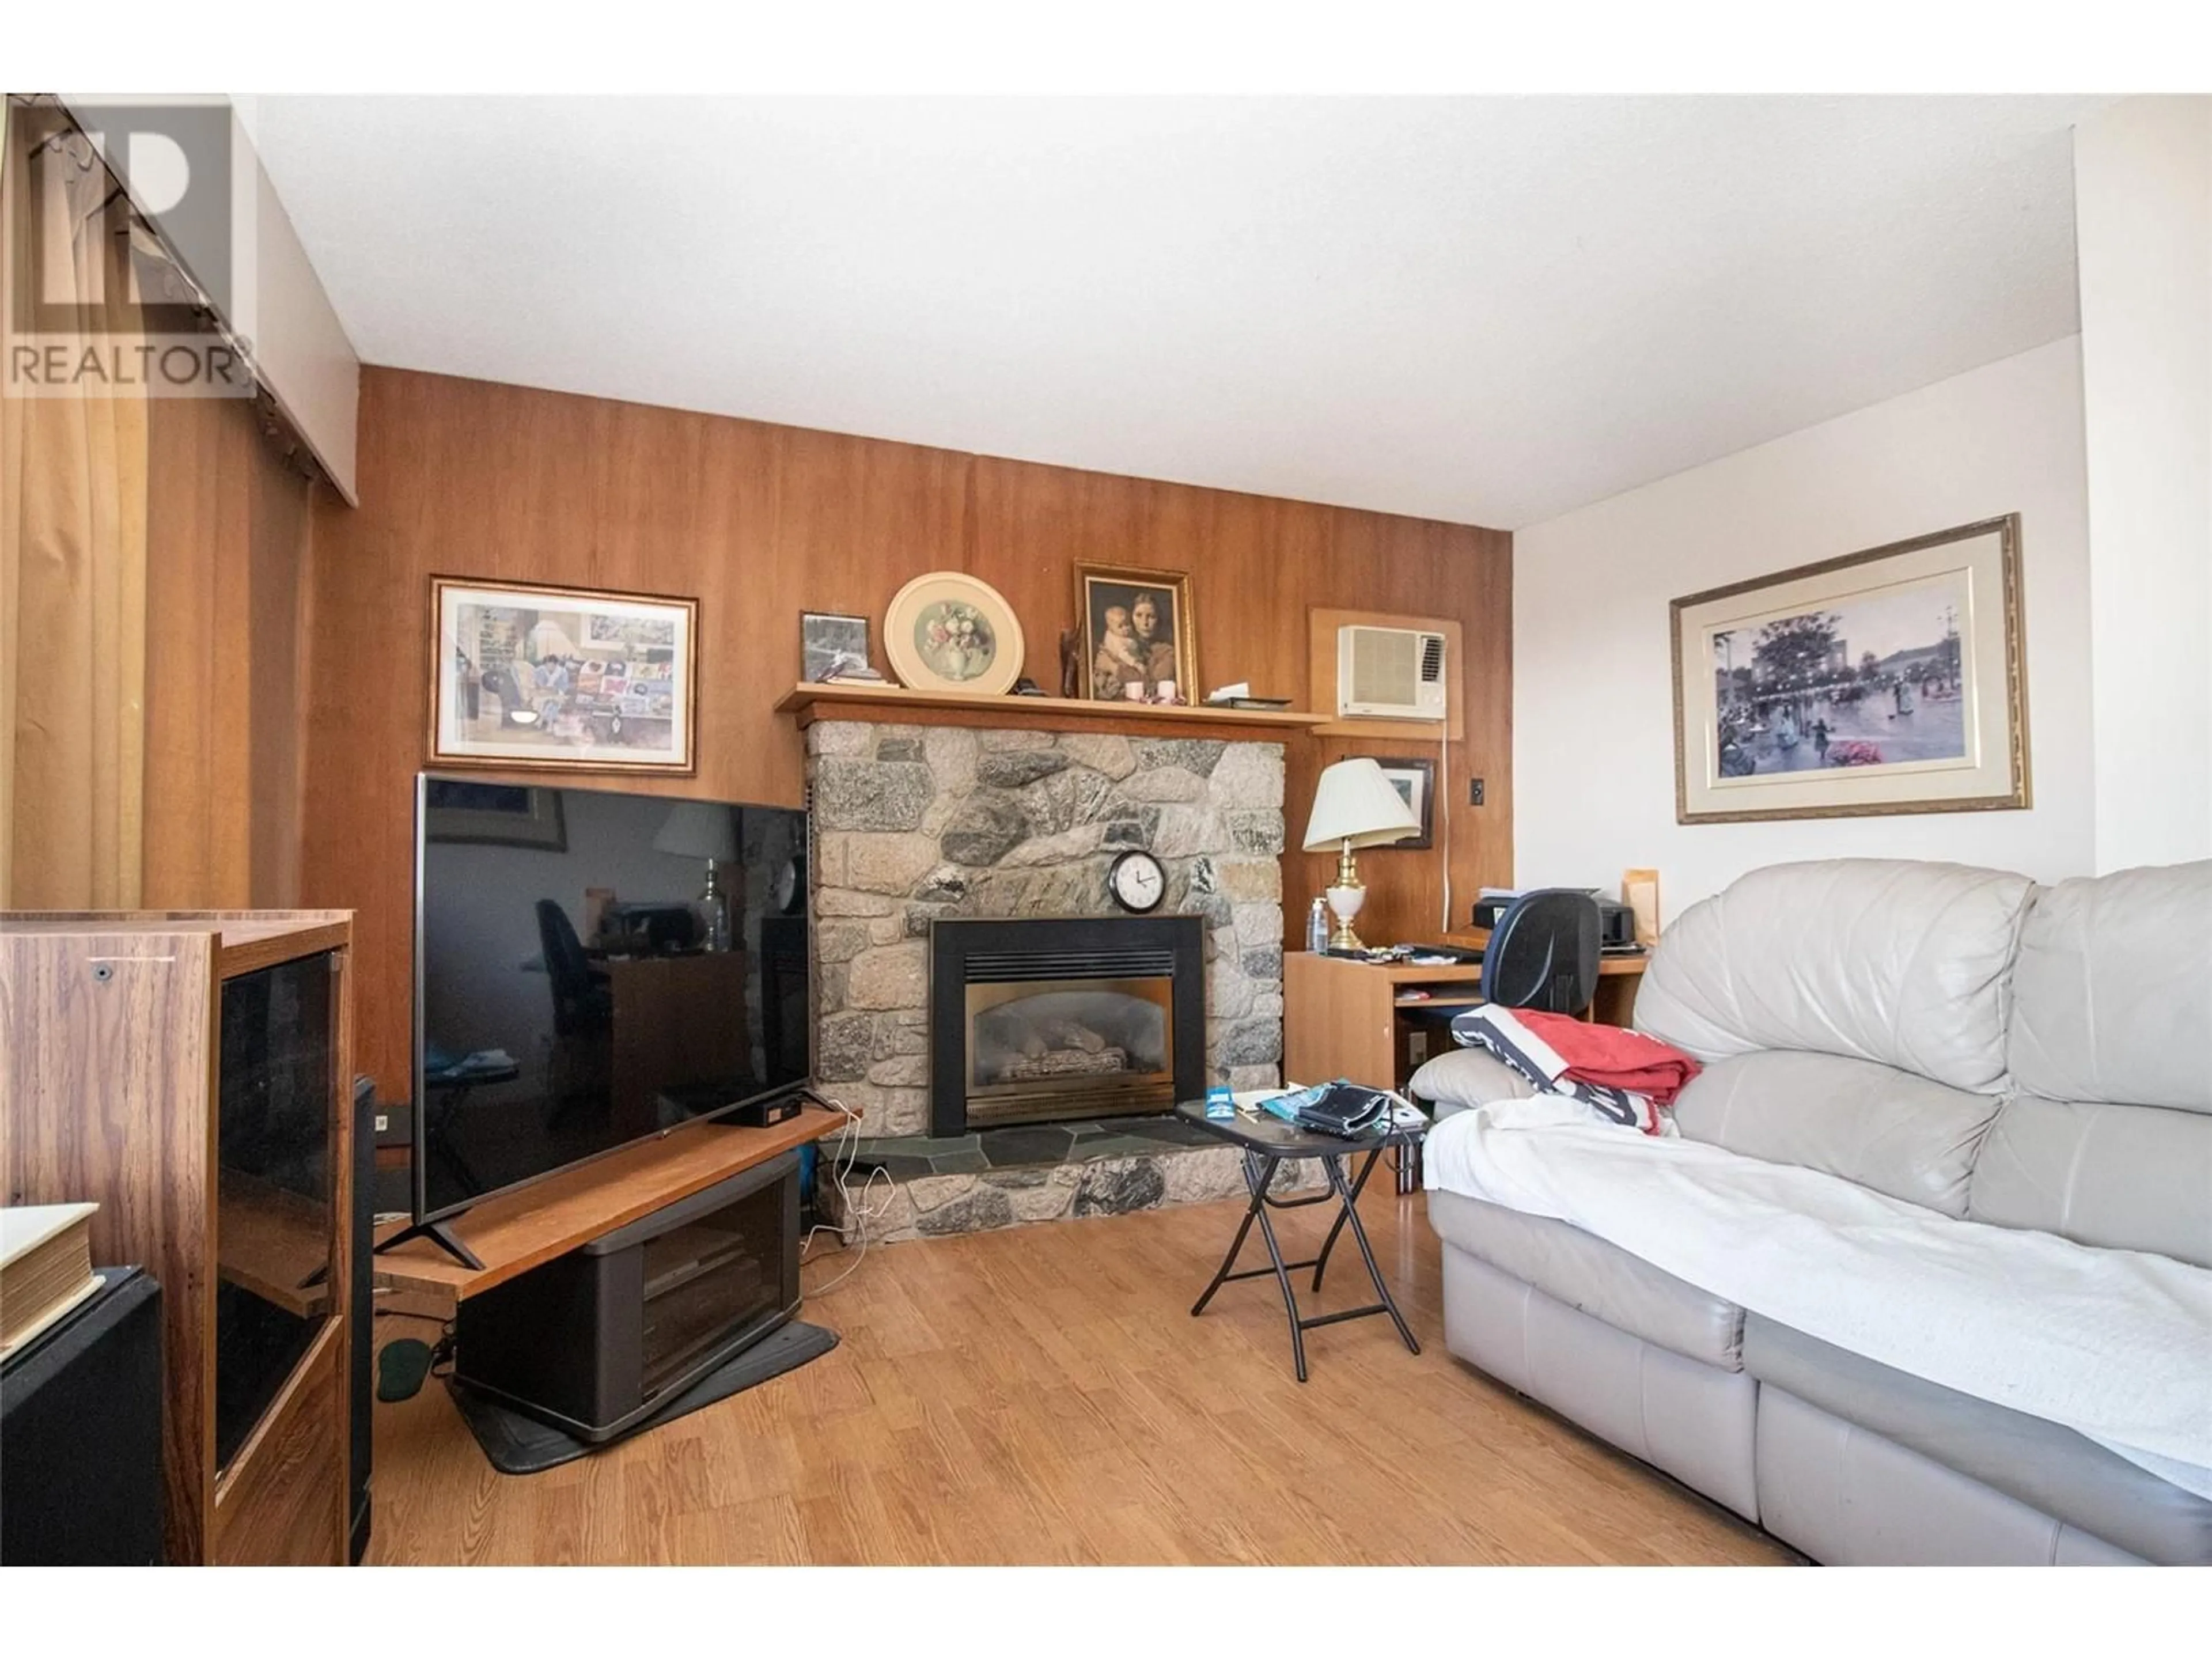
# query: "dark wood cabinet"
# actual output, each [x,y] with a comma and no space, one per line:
[188,1072]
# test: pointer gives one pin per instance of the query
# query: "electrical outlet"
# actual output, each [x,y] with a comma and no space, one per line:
[1474,792]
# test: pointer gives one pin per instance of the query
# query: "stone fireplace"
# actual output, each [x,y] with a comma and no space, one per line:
[1046,1021]
[914,825]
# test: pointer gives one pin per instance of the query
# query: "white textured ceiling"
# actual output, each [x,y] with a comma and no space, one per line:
[1489,310]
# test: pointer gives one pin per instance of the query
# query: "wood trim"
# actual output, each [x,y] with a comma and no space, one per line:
[905,706]
[1321,626]
[520,1231]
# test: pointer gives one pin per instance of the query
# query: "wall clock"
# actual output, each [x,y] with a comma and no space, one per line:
[1137,882]
[789,887]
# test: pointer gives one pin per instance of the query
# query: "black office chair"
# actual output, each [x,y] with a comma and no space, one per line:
[581,1002]
[1543,954]
[580,1064]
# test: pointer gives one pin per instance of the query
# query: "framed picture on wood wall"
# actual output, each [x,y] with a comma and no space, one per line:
[526,676]
[1139,639]
[1886,681]
[1416,781]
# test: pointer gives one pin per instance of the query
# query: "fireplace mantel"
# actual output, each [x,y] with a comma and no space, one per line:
[904,706]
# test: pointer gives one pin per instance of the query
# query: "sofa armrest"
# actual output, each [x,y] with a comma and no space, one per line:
[1467,1078]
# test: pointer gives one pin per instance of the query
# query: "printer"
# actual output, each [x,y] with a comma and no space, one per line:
[1616,922]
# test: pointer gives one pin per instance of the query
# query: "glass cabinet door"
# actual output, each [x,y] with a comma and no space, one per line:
[276,1170]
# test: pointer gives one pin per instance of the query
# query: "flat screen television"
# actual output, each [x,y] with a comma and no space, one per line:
[571,996]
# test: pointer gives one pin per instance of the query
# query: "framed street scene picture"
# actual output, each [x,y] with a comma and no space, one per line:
[1882,681]
[560,678]
[1139,640]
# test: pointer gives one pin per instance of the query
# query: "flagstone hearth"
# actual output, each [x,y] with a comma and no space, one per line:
[921,1187]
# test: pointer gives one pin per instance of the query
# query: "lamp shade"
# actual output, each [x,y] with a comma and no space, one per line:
[699,829]
[1354,802]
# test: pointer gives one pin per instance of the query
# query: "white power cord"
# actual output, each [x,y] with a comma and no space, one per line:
[856,1210]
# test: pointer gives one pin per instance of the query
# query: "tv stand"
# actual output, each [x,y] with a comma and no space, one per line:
[446,1262]
[439,1234]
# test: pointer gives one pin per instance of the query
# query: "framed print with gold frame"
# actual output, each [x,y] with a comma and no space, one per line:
[1887,681]
[528,677]
[1139,637]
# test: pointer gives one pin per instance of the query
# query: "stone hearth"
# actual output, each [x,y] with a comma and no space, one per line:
[1002,1177]
[912,823]
[995,1178]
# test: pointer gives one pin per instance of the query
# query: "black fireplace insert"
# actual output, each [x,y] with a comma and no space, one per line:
[1044,1020]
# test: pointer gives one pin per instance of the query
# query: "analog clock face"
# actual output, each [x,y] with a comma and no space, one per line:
[787,886]
[1138,881]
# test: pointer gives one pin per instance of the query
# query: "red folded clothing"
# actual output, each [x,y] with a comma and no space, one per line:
[1612,1058]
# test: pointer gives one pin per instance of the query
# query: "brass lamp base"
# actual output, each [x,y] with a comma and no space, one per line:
[1346,896]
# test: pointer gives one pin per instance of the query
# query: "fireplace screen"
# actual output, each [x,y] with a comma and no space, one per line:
[1063,1049]
[1058,1019]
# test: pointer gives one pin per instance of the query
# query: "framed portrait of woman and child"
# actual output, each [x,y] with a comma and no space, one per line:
[1140,644]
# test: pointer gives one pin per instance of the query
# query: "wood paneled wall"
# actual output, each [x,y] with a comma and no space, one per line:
[759,522]
[229,528]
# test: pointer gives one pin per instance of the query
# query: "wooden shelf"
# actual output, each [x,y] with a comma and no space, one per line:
[523,1230]
[905,706]
[276,1244]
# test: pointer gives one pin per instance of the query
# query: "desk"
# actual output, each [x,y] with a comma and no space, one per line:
[1343,1018]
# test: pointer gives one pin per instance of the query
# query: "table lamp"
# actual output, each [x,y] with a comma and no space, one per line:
[704,830]
[1354,805]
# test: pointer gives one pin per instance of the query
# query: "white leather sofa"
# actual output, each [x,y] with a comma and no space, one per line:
[1962,1039]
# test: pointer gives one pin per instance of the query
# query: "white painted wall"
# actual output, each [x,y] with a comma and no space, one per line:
[2143,195]
[1593,710]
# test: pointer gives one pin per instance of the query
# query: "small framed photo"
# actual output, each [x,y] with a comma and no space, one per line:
[528,677]
[1139,640]
[829,644]
[1415,781]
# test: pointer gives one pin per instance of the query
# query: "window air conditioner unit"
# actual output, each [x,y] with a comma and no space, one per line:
[1389,673]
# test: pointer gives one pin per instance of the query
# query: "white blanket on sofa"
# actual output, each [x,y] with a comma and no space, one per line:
[2114,1344]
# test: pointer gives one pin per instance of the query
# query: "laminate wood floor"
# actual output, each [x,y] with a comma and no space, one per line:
[1042,1394]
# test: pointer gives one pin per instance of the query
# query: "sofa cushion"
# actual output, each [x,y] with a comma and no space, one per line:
[2112,993]
[2125,1178]
[1893,1131]
[1907,964]
[1595,1277]
[2066,1475]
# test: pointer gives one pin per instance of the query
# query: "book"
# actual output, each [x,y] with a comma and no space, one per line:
[45,1268]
